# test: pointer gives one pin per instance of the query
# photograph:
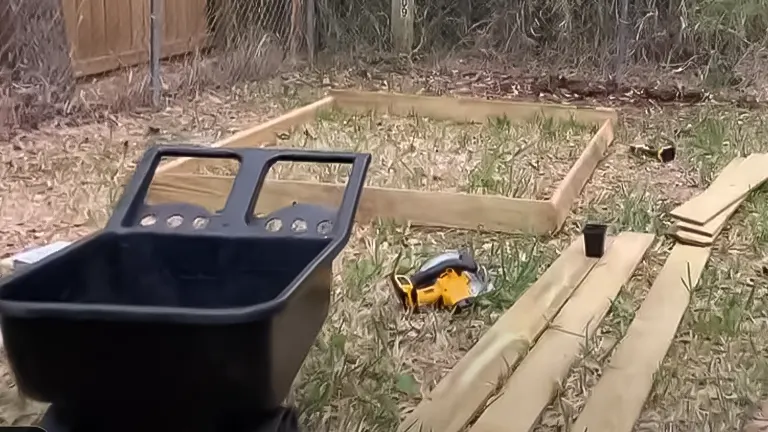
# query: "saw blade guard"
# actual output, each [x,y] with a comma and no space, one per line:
[479,277]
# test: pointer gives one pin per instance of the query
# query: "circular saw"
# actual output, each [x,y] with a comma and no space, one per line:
[451,280]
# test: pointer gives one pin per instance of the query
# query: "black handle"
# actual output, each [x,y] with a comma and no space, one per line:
[250,179]
[236,216]
[132,200]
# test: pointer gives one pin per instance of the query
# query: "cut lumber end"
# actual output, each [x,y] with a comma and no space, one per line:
[705,234]
[6,265]
[714,226]
[690,238]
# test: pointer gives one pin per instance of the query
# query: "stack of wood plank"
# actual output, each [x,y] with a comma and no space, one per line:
[546,325]
[507,380]
[700,220]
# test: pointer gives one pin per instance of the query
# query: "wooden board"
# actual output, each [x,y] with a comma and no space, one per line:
[454,210]
[465,390]
[618,398]
[465,109]
[401,25]
[537,379]
[6,265]
[713,227]
[690,238]
[438,209]
[571,186]
[705,235]
[699,210]
[262,135]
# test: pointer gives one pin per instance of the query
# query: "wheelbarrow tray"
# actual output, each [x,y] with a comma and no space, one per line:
[210,323]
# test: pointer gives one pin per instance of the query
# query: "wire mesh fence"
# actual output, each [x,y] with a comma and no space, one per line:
[35,68]
[715,34]
[253,39]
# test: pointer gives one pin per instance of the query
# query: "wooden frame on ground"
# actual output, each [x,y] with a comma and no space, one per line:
[175,181]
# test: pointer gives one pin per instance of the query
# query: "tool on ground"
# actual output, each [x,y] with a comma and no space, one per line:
[665,153]
[174,318]
[450,280]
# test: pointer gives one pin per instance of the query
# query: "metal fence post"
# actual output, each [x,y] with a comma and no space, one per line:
[155,22]
[622,40]
[310,32]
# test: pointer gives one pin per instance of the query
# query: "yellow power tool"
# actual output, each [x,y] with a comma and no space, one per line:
[449,280]
[665,153]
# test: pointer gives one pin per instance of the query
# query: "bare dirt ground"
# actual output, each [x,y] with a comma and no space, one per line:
[372,362]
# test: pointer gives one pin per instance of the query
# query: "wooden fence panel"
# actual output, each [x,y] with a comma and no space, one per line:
[109,34]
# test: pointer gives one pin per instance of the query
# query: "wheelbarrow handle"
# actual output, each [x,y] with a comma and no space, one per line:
[237,214]
[135,193]
[252,174]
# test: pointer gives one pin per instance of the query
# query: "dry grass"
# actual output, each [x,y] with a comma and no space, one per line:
[713,375]
[61,181]
[716,43]
[372,362]
[500,157]
[689,43]
[58,181]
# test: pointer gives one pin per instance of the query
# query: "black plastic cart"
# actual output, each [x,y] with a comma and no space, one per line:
[174,318]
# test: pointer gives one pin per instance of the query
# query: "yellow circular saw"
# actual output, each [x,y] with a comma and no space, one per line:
[451,280]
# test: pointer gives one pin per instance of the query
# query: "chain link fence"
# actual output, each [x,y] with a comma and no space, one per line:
[716,35]
[254,39]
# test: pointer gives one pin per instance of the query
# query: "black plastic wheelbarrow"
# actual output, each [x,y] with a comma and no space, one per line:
[174,318]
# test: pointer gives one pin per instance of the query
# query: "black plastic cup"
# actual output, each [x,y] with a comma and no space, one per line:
[594,240]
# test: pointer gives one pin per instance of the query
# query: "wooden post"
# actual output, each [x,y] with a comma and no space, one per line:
[401,20]
[310,31]
[622,42]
